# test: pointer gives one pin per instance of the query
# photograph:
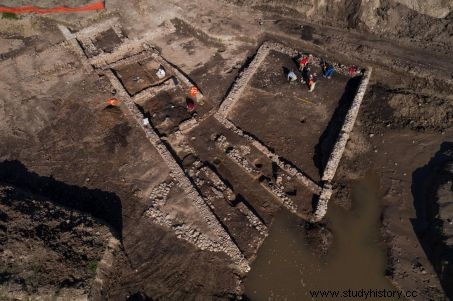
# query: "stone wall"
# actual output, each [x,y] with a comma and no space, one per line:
[223,242]
[334,160]
[348,125]
[339,147]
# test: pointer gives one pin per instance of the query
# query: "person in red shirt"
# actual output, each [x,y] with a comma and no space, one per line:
[304,61]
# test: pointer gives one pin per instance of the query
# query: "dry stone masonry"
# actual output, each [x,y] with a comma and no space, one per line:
[221,190]
[243,79]
[223,242]
[348,125]
[200,184]
[339,147]
[235,94]
[239,159]
[246,75]
[288,168]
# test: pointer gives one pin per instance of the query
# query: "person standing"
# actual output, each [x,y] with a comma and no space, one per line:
[352,70]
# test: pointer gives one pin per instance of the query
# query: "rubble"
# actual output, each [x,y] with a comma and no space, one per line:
[239,159]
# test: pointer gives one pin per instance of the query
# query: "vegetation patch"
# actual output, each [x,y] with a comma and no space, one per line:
[92,266]
[11,16]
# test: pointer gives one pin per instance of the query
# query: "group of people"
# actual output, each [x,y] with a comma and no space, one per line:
[308,78]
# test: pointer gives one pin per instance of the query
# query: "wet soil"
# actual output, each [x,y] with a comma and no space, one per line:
[291,263]
[408,265]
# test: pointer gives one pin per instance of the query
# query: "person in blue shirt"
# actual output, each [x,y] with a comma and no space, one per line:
[327,70]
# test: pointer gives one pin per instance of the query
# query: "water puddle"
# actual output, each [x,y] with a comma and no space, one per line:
[288,267]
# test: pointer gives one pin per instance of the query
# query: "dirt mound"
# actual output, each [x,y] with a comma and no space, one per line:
[98,203]
[422,112]
[399,20]
[46,249]
[415,20]
[386,107]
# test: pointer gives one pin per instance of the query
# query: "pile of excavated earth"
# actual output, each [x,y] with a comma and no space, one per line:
[145,152]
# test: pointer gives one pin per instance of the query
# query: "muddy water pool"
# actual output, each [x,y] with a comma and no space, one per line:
[288,266]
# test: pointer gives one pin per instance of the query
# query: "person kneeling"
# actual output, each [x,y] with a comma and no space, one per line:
[291,76]
[312,82]
[328,70]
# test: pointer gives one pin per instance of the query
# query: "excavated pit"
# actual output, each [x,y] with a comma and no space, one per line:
[287,117]
[107,41]
[138,76]
[224,186]
[230,171]
[167,110]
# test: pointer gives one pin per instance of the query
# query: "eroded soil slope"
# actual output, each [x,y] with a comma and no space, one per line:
[47,249]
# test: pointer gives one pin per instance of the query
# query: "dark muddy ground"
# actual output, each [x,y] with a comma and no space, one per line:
[107,41]
[167,110]
[73,136]
[407,264]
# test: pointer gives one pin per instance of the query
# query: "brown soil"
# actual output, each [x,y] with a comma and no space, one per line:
[107,41]
[167,110]
[139,76]
[72,136]
[55,122]
[239,180]
[47,248]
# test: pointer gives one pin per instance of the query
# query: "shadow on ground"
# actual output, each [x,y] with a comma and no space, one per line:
[100,204]
[432,190]
[329,136]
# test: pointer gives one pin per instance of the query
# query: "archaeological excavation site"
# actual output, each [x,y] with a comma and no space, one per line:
[226,150]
